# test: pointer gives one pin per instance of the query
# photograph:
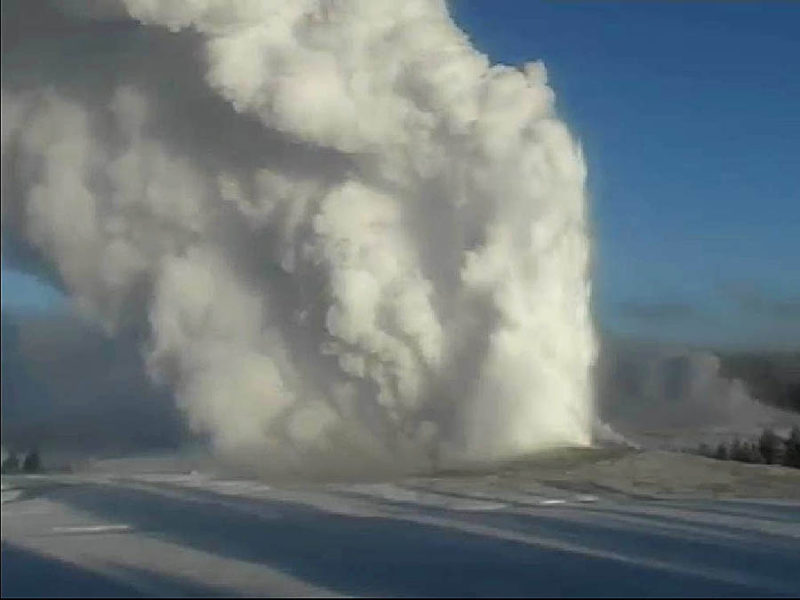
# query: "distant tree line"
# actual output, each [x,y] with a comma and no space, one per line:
[31,463]
[769,449]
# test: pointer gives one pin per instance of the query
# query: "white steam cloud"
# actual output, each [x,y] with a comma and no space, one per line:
[672,396]
[348,237]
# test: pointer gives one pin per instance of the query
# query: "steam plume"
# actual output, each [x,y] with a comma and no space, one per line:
[345,235]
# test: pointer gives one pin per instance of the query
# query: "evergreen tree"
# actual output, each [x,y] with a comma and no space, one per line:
[11,463]
[770,447]
[791,453]
[754,455]
[704,450]
[721,452]
[32,462]
[737,451]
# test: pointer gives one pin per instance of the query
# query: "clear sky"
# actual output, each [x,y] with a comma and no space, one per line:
[689,114]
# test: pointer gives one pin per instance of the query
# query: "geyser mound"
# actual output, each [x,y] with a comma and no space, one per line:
[343,235]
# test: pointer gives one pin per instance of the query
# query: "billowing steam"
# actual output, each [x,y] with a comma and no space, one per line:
[344,235]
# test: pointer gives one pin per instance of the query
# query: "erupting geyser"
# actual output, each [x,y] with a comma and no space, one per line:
[344,234]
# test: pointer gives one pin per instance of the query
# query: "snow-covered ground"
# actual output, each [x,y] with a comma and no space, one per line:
[602,523]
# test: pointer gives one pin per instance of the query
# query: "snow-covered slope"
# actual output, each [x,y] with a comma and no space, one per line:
[588,523]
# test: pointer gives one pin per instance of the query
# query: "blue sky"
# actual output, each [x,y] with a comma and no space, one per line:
[26,293]
[689,114]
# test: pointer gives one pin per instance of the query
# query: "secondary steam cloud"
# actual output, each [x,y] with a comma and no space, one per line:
[343,235]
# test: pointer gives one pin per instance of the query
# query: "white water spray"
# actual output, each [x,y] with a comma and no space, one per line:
[348,237]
